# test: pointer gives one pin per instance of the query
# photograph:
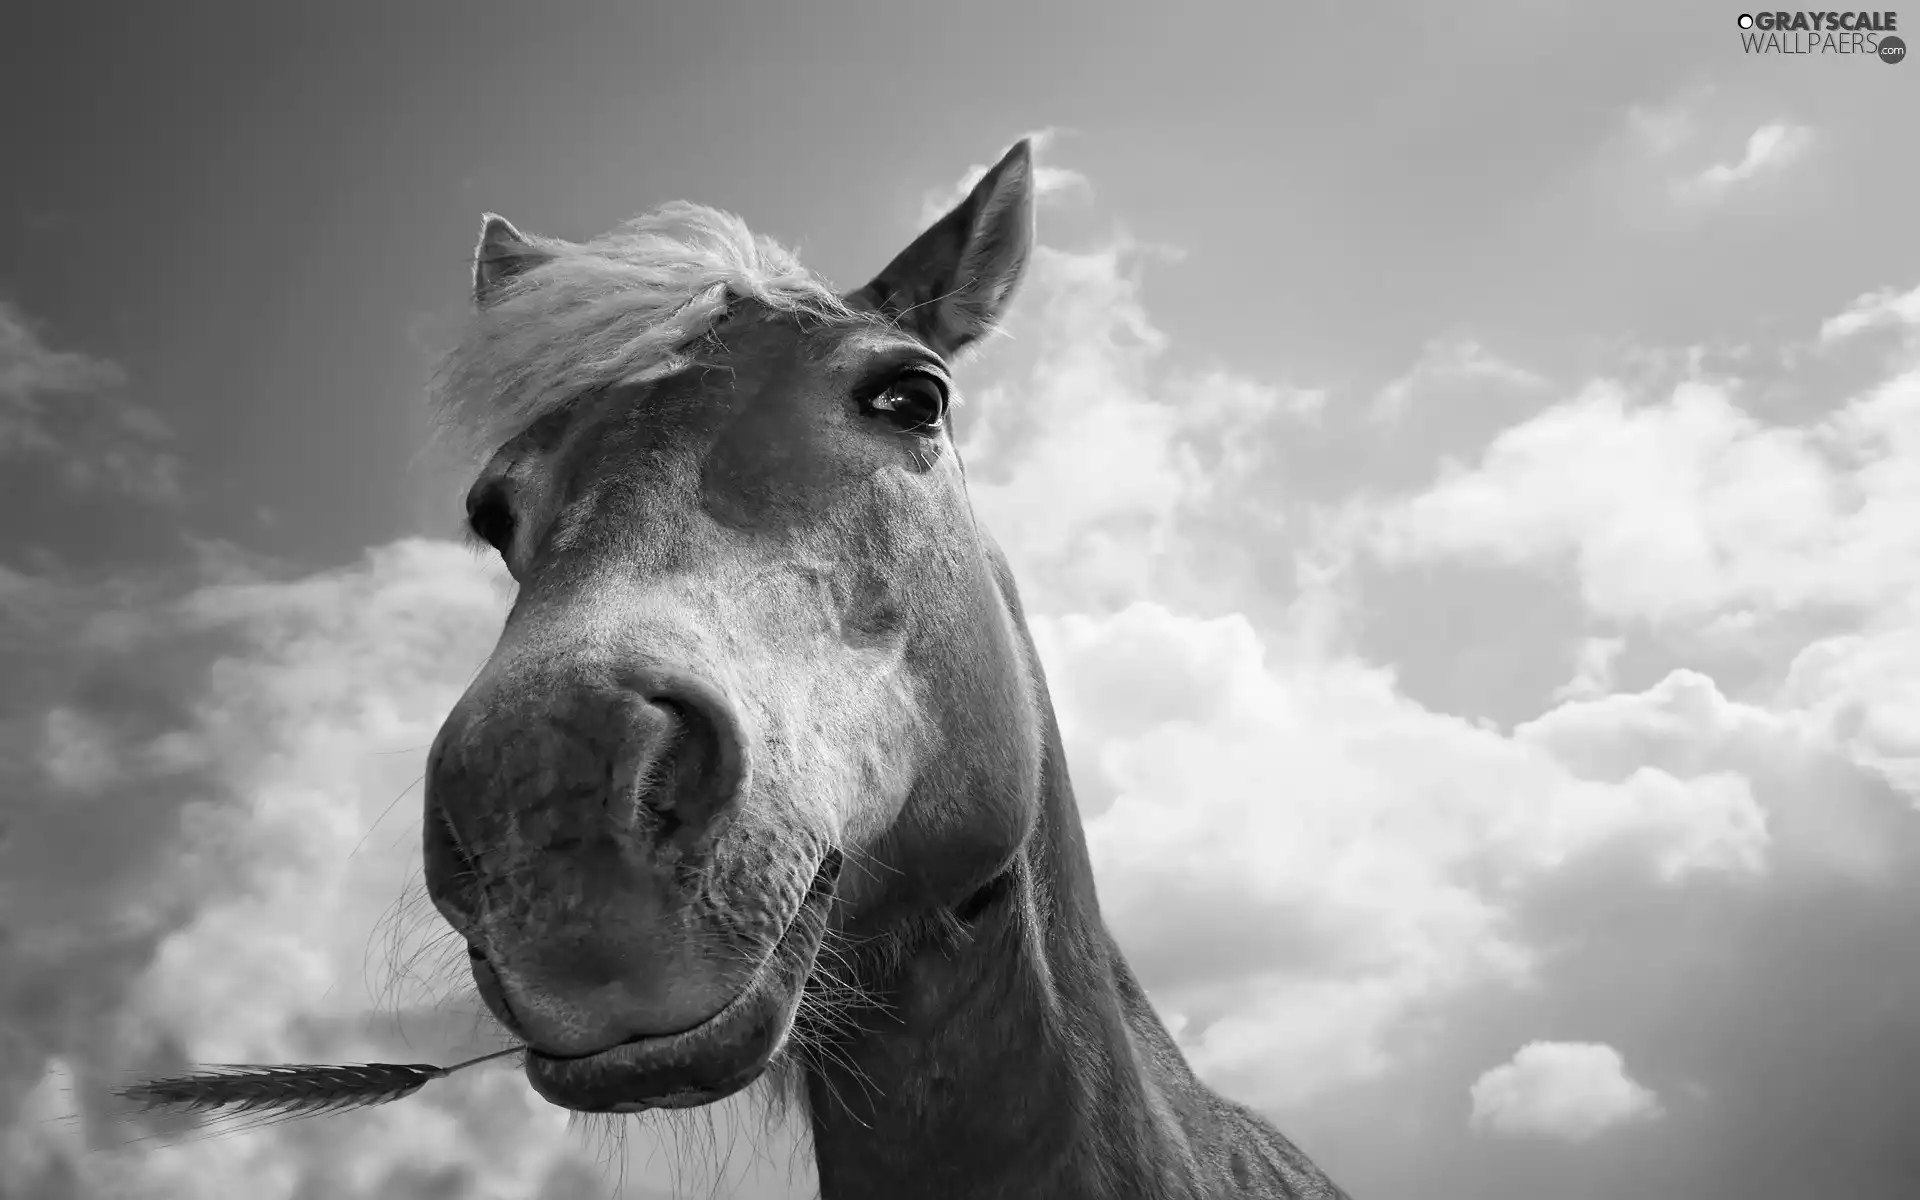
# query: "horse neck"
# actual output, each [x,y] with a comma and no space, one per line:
[1008,1053]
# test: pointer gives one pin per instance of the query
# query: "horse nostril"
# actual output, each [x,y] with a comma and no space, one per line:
[680,767]
[678,759]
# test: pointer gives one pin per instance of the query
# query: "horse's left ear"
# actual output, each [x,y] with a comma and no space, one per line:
[953,283]
[503,252]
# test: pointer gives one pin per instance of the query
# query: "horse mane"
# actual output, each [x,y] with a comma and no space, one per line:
[622,308]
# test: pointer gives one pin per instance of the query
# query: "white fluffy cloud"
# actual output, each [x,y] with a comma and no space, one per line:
[1680,509]
[1768,149]
[1688,512]
[1573,1091]
[1065,500]
[1700,150]
[1884,308]
[1300,858]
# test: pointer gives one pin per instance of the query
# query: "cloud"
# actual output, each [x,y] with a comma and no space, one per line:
[1669,164]
[1573,1091]
[1594,669]
[1864,687]
[1687,507]
[1880,309]
[1103,469]
[1300,859]
[1769,149]
[1452,366]
[1731,528]
[1772,553]
[1049,182]
[61,405]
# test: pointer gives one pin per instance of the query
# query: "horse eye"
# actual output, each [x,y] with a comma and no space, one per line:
[913,401]
[490,516]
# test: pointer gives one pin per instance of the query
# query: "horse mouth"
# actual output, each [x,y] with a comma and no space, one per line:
[714,1059]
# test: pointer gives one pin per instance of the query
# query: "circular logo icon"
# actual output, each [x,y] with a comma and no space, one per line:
[1892,49]
[1746,20]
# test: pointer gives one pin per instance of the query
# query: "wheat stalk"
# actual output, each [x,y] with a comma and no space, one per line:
[292,1091]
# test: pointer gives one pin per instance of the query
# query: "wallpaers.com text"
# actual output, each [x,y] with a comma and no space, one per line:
[1866,33]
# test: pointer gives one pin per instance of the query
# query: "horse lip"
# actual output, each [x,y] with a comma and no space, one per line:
[678,1070]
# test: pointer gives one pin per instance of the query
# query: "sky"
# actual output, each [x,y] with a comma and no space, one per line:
[1462,465]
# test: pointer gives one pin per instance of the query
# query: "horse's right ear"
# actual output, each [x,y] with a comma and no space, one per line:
[952,285]
[502,254]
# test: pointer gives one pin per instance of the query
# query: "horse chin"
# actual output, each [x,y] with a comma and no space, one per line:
[716,1058]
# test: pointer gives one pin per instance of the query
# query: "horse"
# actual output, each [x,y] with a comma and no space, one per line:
[762,780]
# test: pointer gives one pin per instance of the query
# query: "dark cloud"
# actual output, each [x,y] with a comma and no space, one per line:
[91,813]
[62,410]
